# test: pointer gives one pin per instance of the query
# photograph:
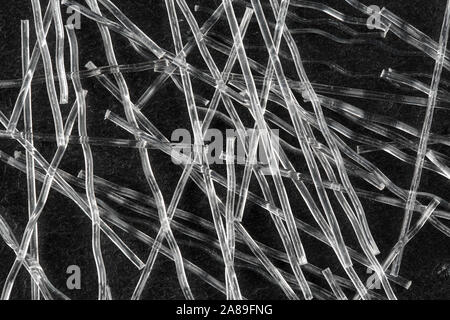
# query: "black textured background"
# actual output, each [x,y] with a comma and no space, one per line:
[65,232]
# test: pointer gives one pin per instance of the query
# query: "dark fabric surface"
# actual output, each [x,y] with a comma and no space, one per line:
[65,232]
